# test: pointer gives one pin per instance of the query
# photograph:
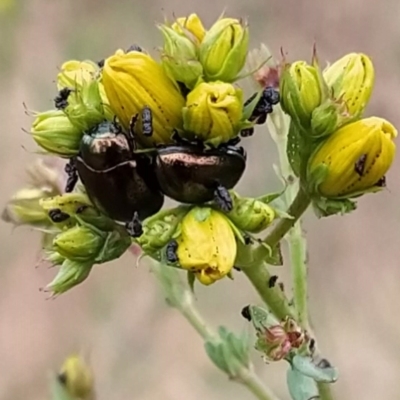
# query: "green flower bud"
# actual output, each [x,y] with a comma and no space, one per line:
[179,58]
[223,50]
[85,106]
[24,208]
[325,119]
[80,244]
[70,274]
[77,378]
[354,159]
[301,92]
[250,215]
[213,112]
[191,27]
[159,229]
[351,79]
[86,243]
[54,132]
[206,245]
[74,73]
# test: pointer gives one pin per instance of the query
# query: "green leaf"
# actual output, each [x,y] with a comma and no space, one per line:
[301,387]
[293,148]
[321,372]
[261,318]
[324,207]
[275,257]
[229,352]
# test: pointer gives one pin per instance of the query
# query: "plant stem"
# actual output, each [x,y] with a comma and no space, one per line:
[274,297]
[324,391]
[254,384]
[180,297]
[298,257]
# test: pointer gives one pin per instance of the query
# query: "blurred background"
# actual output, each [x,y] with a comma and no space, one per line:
[138,346]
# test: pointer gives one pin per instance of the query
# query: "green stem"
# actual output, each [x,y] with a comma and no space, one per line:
[255,386]
[324,391]
[180,297]
[298,257]
[274,297]
[296,210]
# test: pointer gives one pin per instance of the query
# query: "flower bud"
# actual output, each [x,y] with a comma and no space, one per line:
[179,58]
[213,112]
[190,25]
[159,229]
[79,243]
[68,204]
[54,132]
[86,243]
[85,106]
[300,90]
[134,80]
[206,245]
[77,378]
[24,207]
[354,159]
[70,274]
[250,215]
[351,79]
[223,50]
[325,119]
[74,73]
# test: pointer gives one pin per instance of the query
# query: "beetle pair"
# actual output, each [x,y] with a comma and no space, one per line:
[129,186]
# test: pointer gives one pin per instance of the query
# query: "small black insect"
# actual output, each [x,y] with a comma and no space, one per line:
[272,281]
[56,215]
[170,251]
[147,121]
[381,182]
[246,313]
[72,175]
[61,100]
[359,165]
[134,47]
[269,98]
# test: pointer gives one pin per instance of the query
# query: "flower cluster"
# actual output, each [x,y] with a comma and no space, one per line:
[337,153]
[135,130]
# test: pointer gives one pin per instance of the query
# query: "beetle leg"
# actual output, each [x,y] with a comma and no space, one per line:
[223,199]
[170,251]
[131,132]
[134,227]
[70,169]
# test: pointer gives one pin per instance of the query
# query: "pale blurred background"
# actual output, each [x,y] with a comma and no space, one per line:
[138,346]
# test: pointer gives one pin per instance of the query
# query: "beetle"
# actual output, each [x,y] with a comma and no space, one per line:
[195,175]
[120,182]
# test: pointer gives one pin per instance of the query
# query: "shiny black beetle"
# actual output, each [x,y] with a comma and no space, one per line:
[121,183]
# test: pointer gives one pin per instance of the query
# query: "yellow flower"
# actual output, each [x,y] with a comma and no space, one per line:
[223,50]
[206,245]
[351,79]
[354,159]
[54,132]
[300,91]
[133,81]
[213,112]
[77,378]
[192,25]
